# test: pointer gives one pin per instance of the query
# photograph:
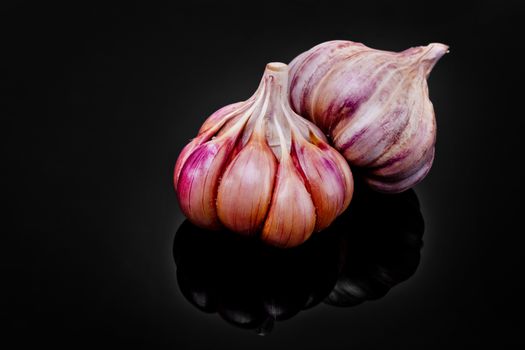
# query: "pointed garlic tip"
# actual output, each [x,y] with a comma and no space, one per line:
[431,54]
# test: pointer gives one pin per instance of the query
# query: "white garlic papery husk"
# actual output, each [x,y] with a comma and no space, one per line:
[257,168]
[374,105]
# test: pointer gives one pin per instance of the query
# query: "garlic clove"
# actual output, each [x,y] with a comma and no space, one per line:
[326,183]
[402,184]
[374,105]
[291,218]
[366,138]
[198,182]
[183,156]
[246,188]
[341,163]
[211,127]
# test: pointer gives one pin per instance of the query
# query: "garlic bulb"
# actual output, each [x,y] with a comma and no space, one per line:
[257,166]
[374,105]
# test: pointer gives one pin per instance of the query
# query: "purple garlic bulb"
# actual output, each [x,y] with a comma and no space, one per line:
[374,105]
[257,168]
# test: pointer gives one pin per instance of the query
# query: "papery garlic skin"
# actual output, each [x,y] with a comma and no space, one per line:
[256,167]
[374,105]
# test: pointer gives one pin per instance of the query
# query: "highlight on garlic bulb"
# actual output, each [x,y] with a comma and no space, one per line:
[374,105]
[256,166]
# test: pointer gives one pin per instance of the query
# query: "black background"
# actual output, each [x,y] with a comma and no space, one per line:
[98,100]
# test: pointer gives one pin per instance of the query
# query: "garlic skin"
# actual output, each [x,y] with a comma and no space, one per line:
[374,105]
[256,167]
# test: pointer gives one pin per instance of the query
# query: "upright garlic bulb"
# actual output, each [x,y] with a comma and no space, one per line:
[257,166]
[373,104]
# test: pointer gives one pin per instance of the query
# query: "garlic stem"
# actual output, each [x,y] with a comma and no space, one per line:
[432,53]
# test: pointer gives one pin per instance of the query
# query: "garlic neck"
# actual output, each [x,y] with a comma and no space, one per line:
[432,53]
[271,110]
[275,78]
[424,58]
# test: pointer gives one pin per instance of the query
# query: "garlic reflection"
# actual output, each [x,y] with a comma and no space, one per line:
[256,166]
[258,287]
[374,105]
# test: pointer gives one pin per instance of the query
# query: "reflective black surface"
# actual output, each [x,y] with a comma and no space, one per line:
[252,285]
[98,99]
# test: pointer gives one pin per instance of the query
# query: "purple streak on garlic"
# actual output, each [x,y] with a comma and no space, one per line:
[257,167]
[373,104]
